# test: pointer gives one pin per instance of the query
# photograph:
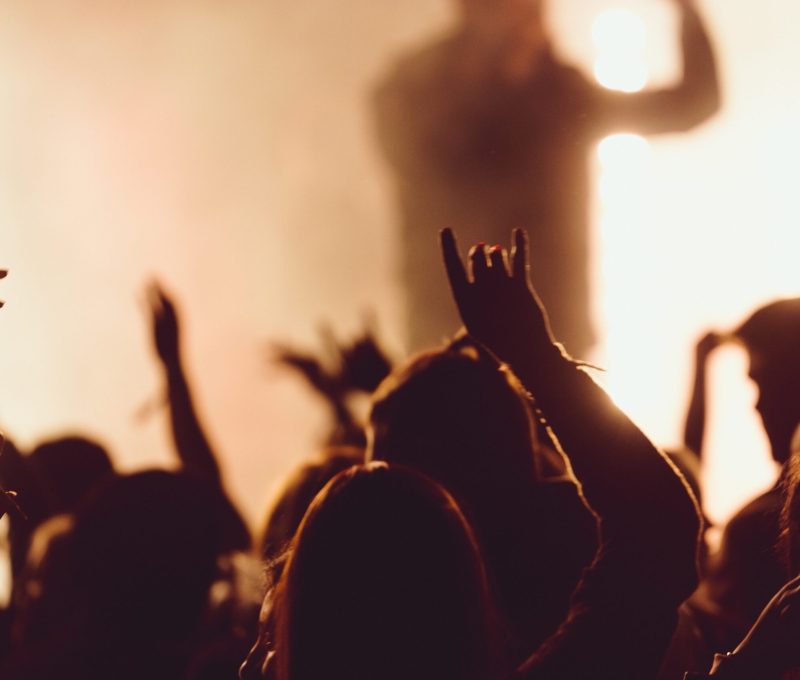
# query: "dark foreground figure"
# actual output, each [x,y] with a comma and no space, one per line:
[385,578]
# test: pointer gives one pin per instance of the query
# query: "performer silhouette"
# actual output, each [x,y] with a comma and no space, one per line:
[486,130]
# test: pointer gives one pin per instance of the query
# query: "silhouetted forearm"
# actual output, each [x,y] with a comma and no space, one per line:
[624,611]
[191,444]
[625,479]
[198,458]
[694,99]
[695,424]
[699,90]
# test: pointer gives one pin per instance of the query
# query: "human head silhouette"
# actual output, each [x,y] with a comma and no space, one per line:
[771,336]
[461,418]
[384,580]
[68,468]
[505,22]
[292,502]
[122,593]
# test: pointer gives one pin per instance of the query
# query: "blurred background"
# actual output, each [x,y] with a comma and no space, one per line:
[226,149]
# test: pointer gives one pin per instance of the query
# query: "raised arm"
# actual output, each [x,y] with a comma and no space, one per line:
[353,367]
[691,101]
[695,424]
[623,613]
[322,380]
[191,444]
[607,451]
[194,450]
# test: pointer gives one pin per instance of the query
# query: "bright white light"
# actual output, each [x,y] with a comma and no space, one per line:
[617,29]
[623,184]
[620,38]
[620,74]
[623,149]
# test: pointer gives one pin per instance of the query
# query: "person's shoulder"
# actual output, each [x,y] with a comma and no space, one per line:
[769,501]
[420,65]
[561,497]
[756,520]
[566,86]
[555,65]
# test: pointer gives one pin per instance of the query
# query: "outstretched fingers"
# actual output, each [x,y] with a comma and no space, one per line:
[456,273]
[154,297]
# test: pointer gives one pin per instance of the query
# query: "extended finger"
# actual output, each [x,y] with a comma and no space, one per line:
[153,298]
[167,306]
[331,347]
[456,273]
[277,351]
[519,255]
[478,262]
[369,322]
[499,260]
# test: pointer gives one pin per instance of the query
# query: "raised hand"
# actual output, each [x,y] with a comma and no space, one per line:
[194,450]
[342,367]
[707,344]
[364,364]
[496,300]
[165,324]
[309,366]
[695,422]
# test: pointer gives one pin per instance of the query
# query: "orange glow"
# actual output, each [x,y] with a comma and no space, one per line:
[227,148]
[658,272]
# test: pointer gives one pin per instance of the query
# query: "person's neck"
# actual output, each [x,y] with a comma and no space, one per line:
[483,55]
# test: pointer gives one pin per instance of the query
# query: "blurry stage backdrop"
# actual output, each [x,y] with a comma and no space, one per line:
[225,148]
